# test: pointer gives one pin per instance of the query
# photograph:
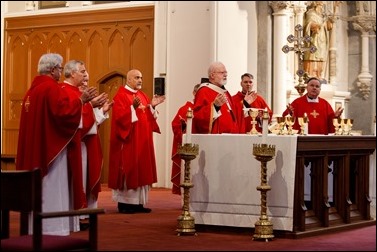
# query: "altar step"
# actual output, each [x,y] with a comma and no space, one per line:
[312,221]
[313,231]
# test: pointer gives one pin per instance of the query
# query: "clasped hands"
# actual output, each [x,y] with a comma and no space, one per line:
[88,94]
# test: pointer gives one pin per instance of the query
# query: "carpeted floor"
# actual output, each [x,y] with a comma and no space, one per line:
[156,231]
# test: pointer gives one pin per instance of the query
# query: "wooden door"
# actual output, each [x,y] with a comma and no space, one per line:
[111,42]
[109,85]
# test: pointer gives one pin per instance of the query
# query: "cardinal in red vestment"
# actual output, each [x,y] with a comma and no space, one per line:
[213,107]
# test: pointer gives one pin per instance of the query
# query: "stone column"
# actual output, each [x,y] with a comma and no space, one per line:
[365,24]
[281,77]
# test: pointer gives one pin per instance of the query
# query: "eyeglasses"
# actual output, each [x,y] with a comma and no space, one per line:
[223,72]
[59,68]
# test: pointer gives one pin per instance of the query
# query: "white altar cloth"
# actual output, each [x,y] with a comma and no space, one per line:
[225,175]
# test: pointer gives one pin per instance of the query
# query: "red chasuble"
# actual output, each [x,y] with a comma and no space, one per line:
[203,122]
[74,155]
[49,121]
[320,115]
[176,125]
[132,155]
[244,123]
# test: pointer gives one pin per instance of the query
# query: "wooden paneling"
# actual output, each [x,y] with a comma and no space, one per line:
[111,42]
[350,156]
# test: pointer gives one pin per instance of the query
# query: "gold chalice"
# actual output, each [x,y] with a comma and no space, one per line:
[344,126]
[347,126]
[302,121]
[290,120]
[337,124]
[281,123]
[350,124]
[253,114]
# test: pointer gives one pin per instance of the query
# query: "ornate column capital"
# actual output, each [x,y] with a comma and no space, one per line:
[299,7]
[278,6]
[364,23]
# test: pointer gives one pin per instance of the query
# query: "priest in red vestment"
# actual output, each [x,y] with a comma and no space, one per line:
[49,120]
[213,111]
[319,112]
[179,128]
[247,99]
[94,114]
[75,73]
[132,165]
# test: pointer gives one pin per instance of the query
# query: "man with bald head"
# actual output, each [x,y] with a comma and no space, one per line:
[132,166]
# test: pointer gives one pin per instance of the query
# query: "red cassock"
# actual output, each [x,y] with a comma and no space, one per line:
[244,123]
[203,122]
[132,155]
[176,125]
[49,122]
[320,115]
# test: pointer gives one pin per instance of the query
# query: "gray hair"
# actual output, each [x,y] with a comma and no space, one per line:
[214,66]
[72,66]
[48,61]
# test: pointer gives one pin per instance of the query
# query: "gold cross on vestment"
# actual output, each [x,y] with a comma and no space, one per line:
[314,114]
[27,104]
[299,48]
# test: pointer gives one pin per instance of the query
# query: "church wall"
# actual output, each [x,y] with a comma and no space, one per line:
[188,54]
[235,45]
[189,35]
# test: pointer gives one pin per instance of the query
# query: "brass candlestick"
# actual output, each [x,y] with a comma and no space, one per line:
[263,227]
[186,223]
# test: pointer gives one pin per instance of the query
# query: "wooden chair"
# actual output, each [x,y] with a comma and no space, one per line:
[21,191]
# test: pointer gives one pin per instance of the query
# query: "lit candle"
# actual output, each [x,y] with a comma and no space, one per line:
[265,125]
[306,124]
[189,125]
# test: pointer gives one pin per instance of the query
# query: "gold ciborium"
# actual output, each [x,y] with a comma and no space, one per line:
[263,227]
[281,124]
[186,222]
[253,114]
